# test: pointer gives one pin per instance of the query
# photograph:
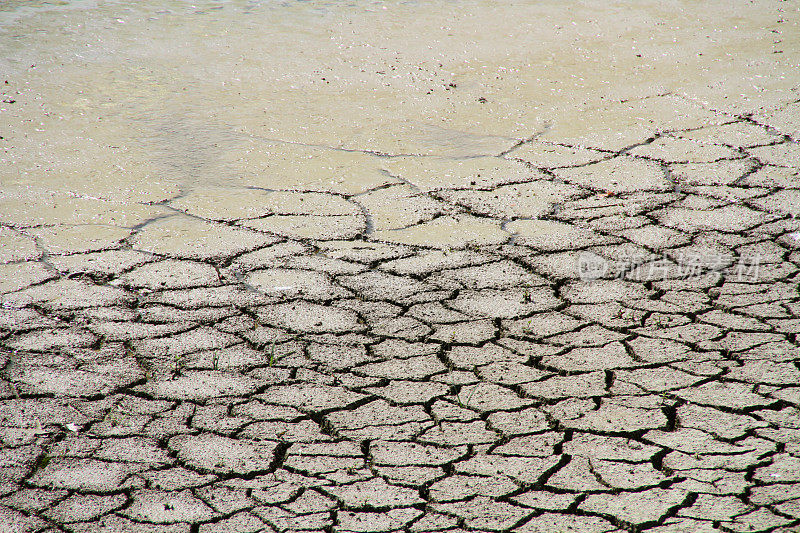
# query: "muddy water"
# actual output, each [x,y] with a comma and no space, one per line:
[117,117]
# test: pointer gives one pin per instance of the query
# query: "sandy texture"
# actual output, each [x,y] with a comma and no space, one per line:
[449,266]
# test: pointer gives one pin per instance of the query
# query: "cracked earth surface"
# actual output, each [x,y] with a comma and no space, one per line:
[585,325]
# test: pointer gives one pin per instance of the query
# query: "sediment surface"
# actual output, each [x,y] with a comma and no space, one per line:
[450,266]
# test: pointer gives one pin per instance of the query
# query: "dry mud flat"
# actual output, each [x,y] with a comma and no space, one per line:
[395,267]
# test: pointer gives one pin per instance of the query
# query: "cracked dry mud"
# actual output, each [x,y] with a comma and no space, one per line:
[374,322]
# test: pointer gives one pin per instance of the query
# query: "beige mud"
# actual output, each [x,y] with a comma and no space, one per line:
[397,266]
